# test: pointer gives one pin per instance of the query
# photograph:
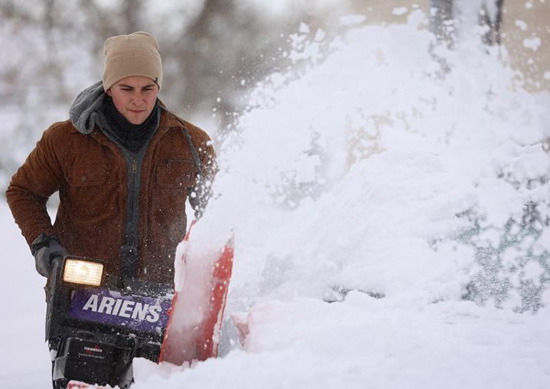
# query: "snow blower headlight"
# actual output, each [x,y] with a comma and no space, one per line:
[78,271]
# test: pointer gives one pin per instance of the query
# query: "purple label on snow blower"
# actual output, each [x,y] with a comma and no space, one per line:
[108,307]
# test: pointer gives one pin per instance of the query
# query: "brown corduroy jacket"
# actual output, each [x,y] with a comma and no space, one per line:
[97,184]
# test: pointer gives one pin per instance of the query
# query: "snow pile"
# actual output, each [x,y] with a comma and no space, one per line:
[388,178]
[354,173]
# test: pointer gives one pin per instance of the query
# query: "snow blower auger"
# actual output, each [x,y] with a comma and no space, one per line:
[95,327]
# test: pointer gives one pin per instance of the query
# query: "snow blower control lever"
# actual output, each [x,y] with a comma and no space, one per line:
[95,328]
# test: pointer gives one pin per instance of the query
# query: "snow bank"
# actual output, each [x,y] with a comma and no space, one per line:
[354,172]
[378,178]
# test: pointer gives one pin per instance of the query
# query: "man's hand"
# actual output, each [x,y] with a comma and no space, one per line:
[45,249]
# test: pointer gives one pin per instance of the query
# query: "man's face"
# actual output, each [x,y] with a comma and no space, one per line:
[134,97]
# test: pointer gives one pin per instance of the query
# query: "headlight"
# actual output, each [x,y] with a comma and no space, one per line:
[83,272]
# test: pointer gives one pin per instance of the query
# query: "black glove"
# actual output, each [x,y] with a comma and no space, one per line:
[45,249]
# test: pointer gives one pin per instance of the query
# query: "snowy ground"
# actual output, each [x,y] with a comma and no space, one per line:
[349,176]
[24,360]
[306,343]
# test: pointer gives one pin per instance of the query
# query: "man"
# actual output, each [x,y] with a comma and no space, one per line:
[124,167]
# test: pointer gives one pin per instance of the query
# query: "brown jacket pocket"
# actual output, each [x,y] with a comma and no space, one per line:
[176,173]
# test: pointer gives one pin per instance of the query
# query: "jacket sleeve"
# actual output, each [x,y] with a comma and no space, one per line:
[202,191]
[34,182]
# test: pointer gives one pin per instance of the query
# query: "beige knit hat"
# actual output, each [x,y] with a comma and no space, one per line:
[131,55]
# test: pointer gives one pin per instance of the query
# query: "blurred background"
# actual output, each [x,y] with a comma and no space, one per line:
[216,51]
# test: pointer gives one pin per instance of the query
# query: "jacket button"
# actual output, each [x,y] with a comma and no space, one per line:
[83,178]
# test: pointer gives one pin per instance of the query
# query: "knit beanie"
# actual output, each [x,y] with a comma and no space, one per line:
[131,55]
